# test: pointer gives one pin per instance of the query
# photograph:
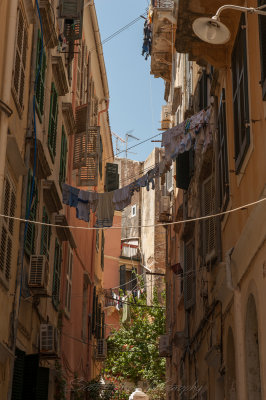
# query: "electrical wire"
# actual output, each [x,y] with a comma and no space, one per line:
[205,217]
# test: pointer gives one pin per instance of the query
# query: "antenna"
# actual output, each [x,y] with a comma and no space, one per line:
[117,139]
[128,134]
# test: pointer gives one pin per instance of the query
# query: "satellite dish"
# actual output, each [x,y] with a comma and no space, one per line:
[211,30]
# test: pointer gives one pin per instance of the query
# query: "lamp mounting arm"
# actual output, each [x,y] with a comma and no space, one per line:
[250,10]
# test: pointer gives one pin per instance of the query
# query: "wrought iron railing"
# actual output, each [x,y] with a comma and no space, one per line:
[163,3]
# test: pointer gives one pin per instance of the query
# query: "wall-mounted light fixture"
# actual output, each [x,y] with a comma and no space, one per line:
[211,30]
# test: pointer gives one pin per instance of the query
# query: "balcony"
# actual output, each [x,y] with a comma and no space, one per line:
[49,31]
[163,38]
[187,42]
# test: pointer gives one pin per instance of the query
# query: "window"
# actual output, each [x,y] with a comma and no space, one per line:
[31,210]
[68,281]
[134,211]
[128,278]
[203,94]
[52,130]
[223,174]
[63,158]
[46,234]
[189,274]
[240,95]
[40,66]
[20,60]
[7,228]
[262,31]
[185,169]
[57,274]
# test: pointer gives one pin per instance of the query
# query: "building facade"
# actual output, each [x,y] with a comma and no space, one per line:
[215,272]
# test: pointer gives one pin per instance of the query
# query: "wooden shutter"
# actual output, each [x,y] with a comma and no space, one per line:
[112,177]
[57,273]
[18,375]
[189,275]
[240,95]
[46,234]
[262,28]
[30,234]
[52,130]
[70,9]
[86,151]
[63,157]
[7,228]
[123,277]
[209,224]
[40,63]
[20,59]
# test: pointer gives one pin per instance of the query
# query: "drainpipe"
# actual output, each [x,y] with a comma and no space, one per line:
[104,110]
[16,303]
[6,88]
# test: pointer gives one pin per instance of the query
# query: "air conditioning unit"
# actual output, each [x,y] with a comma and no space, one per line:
[39,274]
[101,349]
[49,344]
[165,205]
[165,349]
[165,118]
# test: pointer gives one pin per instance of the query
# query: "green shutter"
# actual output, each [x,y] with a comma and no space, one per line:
[46,234]
[41,77]
[63,157]
[52,130]
[112,177]
[17,384]
[57,273]
[30,234]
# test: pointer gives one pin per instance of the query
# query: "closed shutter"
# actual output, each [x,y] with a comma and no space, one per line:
[112,177]
[83,86]
[42,388]
[20,60]
[57,274]
[30,233]
[7,227]
[123,277]
[18,374]
[31,365]
[63,157]
[46,234]
[86,154]
[93,318]
[52,130]
[69,282]
[189,275]
[240,95]
[70,9]
[262,28]
[209,224]
[40,64]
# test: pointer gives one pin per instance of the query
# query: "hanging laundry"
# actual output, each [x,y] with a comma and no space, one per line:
[126,312]
[87,202]
[70,195]
[105,210]
[147,41]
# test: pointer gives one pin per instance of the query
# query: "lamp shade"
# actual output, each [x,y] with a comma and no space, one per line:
[211,30]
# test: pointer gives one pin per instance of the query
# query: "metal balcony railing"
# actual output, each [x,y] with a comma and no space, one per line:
[163,3]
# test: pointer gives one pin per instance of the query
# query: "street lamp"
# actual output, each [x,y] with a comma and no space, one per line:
[211,30]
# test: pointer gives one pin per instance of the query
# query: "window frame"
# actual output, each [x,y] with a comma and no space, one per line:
[57,274]
[68,291]
[134,207]
[40,87]
[46,233]
[240,93]
[63,158]
[29,244]
[53,119]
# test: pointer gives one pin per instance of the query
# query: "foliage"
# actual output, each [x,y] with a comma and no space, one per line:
[157,392]
[133,349]
[60,383]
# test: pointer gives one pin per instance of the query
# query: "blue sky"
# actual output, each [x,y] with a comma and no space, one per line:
[136,96]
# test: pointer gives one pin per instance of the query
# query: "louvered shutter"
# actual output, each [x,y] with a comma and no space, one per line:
[31,365]
[52,130]
[93,318]
[209,224]
[70,9]
[46,234]
[123,277]
[112,177]
[73,29]
[57,274]
[89,146]
[30,234]
[42,388]
[262,28]
[189,275]
[18,375]
[40,63]
[7,227]
[63,157]
[20,59]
